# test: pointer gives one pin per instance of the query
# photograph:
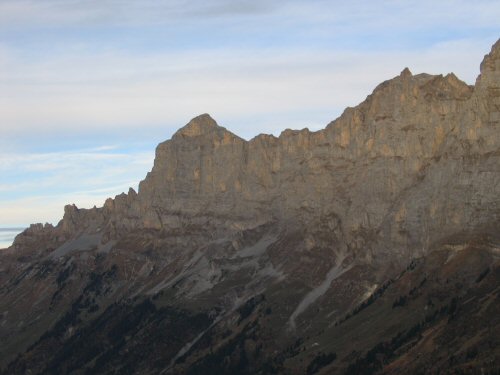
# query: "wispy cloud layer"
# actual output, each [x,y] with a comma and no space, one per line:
[76,93]
[35,187]
[82,66]
[125,12]
[57,13]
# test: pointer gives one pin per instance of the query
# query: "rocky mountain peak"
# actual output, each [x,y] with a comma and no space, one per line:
[200,125]
[491,60]
[490,68]
[405,73]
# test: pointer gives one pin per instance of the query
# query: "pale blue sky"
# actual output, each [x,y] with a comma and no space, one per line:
[88,88]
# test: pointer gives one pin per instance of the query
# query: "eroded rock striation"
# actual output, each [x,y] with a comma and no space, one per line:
[284,245]
[416,161]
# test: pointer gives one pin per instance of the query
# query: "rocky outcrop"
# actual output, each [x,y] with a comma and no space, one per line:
[375,239]
[417,161]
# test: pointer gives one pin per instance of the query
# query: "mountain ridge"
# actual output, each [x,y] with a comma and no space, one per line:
[357,248]
[356,134]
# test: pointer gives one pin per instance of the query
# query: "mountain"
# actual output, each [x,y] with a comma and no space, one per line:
[371,246]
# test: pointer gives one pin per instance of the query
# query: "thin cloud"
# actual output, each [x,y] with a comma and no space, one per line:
[50,208]
[233,8]
[164,89]
[89,173]
[65,13]
[337,16]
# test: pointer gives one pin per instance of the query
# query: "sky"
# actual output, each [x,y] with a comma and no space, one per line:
[89,88]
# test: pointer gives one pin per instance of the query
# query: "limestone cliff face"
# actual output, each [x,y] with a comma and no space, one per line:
[376,238]
[418,160]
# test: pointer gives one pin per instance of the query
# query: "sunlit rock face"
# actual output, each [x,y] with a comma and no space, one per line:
[274,253]
[416,161]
